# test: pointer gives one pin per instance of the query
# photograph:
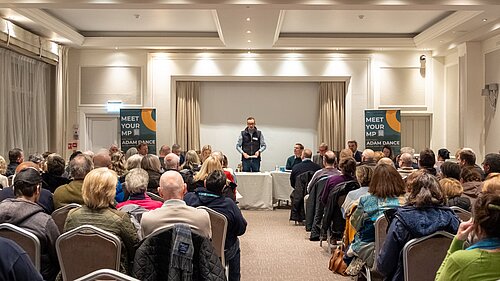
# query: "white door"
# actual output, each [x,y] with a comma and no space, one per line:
[102,132]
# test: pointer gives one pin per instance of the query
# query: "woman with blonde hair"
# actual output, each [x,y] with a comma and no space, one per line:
[4,181]
[192,161]
[453,190]
[206,151]
[209,165]
[98,192]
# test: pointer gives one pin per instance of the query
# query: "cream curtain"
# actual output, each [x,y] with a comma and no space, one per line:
[331,123]
[188,115]
[59,131]
[24,88]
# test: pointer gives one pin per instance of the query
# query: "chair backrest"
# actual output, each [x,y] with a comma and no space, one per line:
[380,234]
[423,256]
[154,196]
[461,213]
[106,274]
[218,222]
[59,216]
[25,239]
[85,249]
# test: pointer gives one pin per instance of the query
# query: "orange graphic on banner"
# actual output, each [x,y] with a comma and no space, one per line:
[393,122]
[148,120]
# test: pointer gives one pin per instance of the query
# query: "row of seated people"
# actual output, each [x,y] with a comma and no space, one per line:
[362,193]
[97,194]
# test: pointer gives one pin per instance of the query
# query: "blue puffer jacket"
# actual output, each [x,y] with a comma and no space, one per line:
[412,222]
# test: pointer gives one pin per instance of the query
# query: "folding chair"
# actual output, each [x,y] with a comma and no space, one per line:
[59,216]
[154,196]
[461,213]
[106,273]
[25,239]
[380,235]
[85,249]
[423,256]
[218,223]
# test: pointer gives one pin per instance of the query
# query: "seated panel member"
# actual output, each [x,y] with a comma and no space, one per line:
[296,158]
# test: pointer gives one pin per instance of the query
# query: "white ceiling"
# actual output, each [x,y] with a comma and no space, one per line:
[273,25]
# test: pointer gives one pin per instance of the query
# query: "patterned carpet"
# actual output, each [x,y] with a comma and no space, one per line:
[275,249]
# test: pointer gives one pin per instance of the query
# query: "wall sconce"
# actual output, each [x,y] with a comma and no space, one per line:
[491,91]
[422,65]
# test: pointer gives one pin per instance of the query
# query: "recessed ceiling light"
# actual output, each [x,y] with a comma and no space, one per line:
[249,41]
[485,19]
[116,48]
[248,19]
[249,31]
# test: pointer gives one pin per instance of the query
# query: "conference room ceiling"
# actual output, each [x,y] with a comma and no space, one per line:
[260,26]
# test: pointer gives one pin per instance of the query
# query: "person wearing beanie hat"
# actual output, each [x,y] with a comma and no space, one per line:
[23,211]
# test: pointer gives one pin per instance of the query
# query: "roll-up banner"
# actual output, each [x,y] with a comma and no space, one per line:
[383,127]
[138,126]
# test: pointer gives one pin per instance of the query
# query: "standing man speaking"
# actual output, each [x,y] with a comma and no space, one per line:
[251,144]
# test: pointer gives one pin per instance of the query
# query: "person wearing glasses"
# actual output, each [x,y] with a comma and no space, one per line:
[251,144]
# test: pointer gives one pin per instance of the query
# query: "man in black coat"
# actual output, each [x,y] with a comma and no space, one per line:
[306,165]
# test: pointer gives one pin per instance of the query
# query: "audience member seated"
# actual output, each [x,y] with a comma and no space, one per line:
[23,211]
[229,172]
[16,157]
[387,150]
[213,198]
[353,147]
[471,182]
[98,192]
[345,153]
[206,151]
[405,165]
[79,167]
[423,215]
[220,157]
[132,162]
[46,200]
[142,149]
[409,150]
[152,165]
[103,160]
[442,156]
[479,261]
[491,163]
[164,150]
[37,158]
[427,160]
[467,158]
[453,190]
[491,183]
[190,167]
[176,149]
[364,175]
[209,165]
[131,151]
[368,158]
[15,264]
[113,149]
[137,185]
[386,191]
[118,163]
[318,158]
[305,165]
[450,170]
[174,210]
[53,177]
[333,190]
[330,169]
[171,162]
[4,181]
[386,161]
[296,158]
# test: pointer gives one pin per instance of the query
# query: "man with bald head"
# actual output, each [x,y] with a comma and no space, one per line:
[171,162]
[306,165]
[174,210]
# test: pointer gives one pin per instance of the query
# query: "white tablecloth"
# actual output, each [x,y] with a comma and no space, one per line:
[256,189]
[281,185]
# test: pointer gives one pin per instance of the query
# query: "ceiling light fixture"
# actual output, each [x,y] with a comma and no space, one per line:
[249,31]
[249,41]
[248,19]
[485,19]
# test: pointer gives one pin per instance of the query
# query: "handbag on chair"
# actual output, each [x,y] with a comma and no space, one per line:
[337,263]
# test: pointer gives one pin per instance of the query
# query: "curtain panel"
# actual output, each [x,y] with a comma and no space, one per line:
[331,122]
[188,115]
[24,87]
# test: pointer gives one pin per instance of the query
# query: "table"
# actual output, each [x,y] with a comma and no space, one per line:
[281,185]
[256,189]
